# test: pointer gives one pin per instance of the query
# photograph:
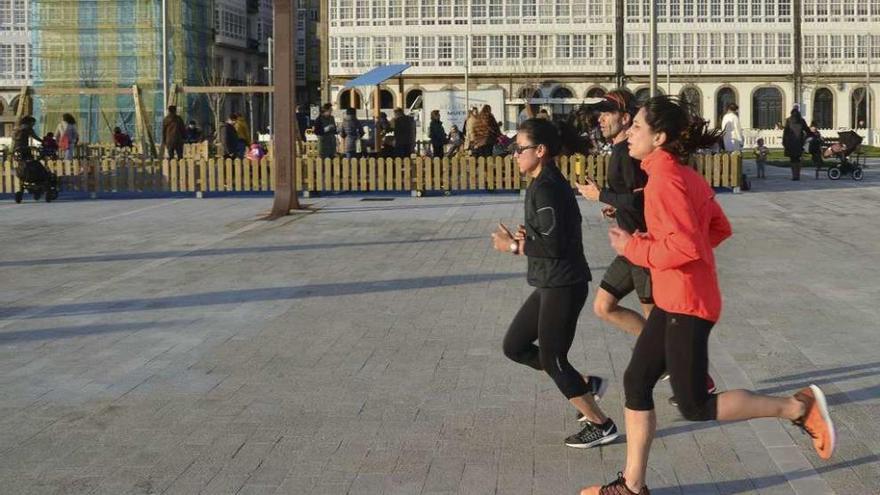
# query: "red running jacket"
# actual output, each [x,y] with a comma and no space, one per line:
[684,224]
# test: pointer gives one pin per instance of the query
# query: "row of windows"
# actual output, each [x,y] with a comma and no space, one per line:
[231,24]
[15,61]
[488,50]
[711,48]
[841,10]
[837,49]
[449,12]
[689,11]
[13,15]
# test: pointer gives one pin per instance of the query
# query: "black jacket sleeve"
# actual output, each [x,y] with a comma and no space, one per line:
[626,200]
[546,235]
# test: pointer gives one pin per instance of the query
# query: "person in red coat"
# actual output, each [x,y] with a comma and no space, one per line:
[685,224]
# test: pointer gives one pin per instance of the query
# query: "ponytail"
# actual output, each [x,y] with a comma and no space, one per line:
[685,131]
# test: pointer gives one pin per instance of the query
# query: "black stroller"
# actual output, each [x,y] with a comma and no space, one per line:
[849,141]
[34,177]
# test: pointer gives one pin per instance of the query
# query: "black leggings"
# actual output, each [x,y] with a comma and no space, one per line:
[678,344]
[549,316]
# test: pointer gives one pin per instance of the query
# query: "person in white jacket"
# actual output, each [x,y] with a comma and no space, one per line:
[731,129]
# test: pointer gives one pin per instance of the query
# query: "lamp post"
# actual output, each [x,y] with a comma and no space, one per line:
[164,55]
[653,47]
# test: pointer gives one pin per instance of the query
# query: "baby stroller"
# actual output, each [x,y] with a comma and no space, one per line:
[849,141]
[34,177]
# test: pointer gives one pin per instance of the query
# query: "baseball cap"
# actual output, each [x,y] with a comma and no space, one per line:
[616,101]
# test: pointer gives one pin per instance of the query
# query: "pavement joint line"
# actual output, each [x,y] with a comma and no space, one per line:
[786,457]
[128,274]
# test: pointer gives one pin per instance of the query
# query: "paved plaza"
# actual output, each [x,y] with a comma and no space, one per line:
[184,346]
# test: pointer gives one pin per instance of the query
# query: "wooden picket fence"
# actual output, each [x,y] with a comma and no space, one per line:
[421,174]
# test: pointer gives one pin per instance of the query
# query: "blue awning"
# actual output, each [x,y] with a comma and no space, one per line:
[376,76]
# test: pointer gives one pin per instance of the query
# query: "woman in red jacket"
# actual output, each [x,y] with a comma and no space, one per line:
[685,224]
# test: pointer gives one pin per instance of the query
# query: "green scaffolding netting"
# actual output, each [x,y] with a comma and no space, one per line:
[116,44]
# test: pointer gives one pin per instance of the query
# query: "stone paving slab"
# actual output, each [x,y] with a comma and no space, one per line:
[182,346]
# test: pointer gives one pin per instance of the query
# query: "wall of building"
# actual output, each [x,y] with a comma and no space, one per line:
[570,46]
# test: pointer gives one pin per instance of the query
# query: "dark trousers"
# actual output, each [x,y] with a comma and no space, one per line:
[176,149]
[438,149]
[679,344]
[549,316]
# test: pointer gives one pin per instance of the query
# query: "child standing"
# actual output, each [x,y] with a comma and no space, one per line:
[761,153]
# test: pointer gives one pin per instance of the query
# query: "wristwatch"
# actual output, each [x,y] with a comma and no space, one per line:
[514,247]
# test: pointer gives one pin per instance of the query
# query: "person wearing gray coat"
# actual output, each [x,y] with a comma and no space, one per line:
[351,132]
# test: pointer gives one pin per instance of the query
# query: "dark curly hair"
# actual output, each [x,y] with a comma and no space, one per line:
[685,131]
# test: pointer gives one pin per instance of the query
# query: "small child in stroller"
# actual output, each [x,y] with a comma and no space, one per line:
[49,150]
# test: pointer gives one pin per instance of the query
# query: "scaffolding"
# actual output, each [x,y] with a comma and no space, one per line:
[83,44]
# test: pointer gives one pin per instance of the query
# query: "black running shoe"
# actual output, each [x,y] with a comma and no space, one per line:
[592,435]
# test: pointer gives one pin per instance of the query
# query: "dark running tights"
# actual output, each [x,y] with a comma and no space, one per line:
[549,316]
[680,344]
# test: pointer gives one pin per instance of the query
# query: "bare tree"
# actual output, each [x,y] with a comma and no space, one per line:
[213,76]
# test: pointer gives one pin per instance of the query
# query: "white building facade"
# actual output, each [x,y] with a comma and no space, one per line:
[15,55]
[559,52]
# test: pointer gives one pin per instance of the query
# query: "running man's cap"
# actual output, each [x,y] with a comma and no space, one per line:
[617,101]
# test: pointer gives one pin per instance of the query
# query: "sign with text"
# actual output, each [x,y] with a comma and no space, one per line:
[453,106]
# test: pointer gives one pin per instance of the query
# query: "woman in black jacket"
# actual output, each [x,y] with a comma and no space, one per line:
[793,138]
[557,268]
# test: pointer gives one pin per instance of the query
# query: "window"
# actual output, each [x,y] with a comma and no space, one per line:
[411,12]
[429,11]
[858,112]
[529,11]
[674,12]
[380,50]
[530,47]
[742,11]
[496,12]
[823,108]
[687,48]
[478,11]
[784,48]
[411,50]
[836,49]
[692,100]
[770,11]
[702,11]
[784,11]
[478,51]
[444,12]
[395,12]
[444,51]
[729,48]
[724,98]
[496,50]
[716,11]
[766,108]
[688,10]
[715,49]
[579,47]
[428,50]
[849,48]
[512,52]
[459,11]
[742,48]
[809,48]
[757,49]
[563,47]
[770,48]
[702,47]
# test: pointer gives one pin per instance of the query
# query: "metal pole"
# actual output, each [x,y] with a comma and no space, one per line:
[164,55]
[668,63]
[868,91]
[270,69]
[653,48]
[467,70]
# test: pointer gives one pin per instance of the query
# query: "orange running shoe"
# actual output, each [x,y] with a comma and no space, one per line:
[816,421]
[617,487]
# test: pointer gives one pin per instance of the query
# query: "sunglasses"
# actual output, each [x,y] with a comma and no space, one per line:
[517,150]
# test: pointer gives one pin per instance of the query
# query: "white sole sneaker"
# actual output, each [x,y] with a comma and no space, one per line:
[822,403]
